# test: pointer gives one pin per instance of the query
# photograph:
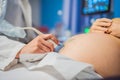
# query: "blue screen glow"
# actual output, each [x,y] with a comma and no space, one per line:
[95,6]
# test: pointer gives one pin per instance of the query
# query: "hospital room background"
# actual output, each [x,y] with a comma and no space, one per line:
[65,18]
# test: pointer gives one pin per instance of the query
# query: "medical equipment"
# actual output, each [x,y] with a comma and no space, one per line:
[56,47]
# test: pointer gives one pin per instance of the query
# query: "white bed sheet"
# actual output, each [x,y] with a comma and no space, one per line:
[19,72]
[52,67]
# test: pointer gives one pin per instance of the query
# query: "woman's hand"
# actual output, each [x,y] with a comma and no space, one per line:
[101,25]
[39,45]
[115,27]
[107,26]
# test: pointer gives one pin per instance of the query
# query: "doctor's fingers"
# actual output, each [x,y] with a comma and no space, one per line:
[52,37]
[44,48]
[44,44]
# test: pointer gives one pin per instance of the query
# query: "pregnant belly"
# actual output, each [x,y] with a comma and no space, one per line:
[100,50]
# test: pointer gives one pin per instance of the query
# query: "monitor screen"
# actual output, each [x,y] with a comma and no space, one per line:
[95,6]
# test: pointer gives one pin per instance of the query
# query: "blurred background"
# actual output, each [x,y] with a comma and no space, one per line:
[65,18]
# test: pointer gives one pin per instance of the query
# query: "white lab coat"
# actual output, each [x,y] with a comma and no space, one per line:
[19,14]
[16,11]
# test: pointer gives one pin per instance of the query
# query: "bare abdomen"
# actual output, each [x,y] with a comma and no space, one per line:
[100,50]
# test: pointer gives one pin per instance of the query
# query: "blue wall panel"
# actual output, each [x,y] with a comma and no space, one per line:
[116,8]
[49,10]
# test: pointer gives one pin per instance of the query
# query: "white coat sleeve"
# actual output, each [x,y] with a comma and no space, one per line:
[8,51]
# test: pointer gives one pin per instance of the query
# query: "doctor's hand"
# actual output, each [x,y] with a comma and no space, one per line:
[39,45]
[101,25]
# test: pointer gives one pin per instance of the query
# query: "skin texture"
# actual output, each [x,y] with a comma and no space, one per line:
[99,49]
